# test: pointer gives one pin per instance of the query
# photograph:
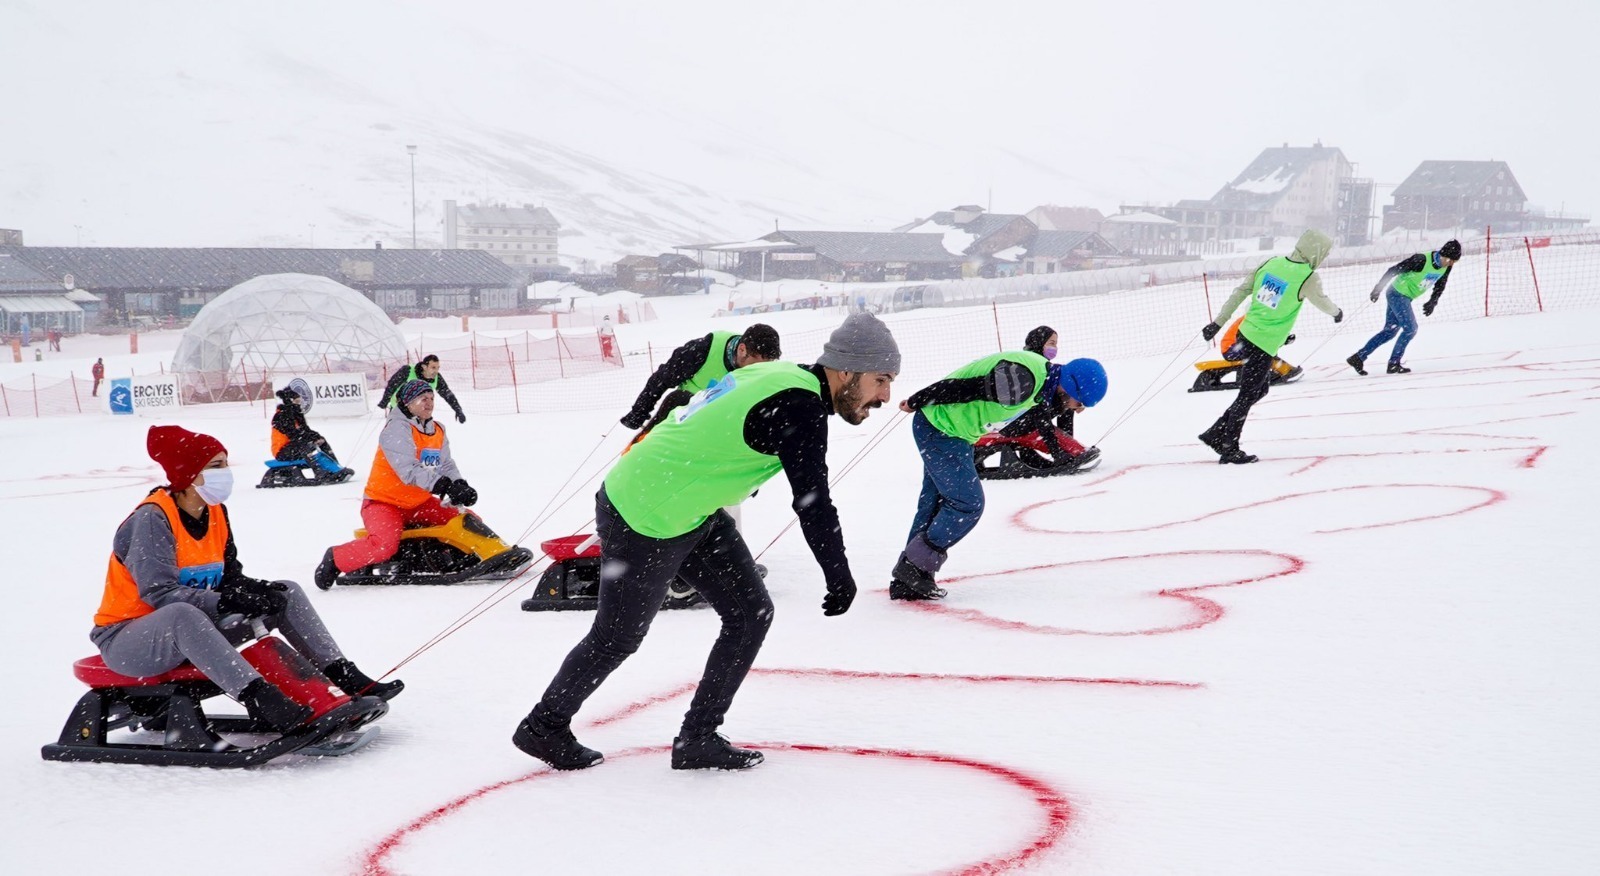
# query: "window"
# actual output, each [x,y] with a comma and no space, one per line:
[550,246]
[517,259]
[472,246]
[519,246]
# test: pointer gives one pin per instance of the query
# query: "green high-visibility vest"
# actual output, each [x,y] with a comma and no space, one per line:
[1276,304]
[394,400]
[716,365]
[1412,284]
[697,461]
[970,420]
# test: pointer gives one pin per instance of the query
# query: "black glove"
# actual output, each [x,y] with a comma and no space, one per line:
[635,418]
[382,405]
[252,598]
[1427,309]
[460,417]
[462,495]
[1339,317]
[441,487]
[1210,331]
[1373,297]
[840,595]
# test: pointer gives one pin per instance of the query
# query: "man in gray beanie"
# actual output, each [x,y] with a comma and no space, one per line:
[659,517]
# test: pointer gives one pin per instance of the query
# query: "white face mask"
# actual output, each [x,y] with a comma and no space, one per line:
[218,486]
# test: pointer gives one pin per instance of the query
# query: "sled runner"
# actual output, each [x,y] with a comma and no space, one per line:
[1000,457]
[300,473]
[465,549]
[1221,374]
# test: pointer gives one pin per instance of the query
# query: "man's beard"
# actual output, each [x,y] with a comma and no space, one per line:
[847,402]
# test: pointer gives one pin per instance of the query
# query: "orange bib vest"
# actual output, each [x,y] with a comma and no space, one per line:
[278,440]
[199,563]
[384,485]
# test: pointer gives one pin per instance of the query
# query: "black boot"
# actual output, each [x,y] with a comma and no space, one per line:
[1211,439]
[1237,457]
[909,582]
[270,706]
[712,752]
[326,572]
[356,683]
[558,748]
[1358,363]
[1397,368]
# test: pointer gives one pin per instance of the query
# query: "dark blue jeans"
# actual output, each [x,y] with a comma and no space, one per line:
[1401,320]
[952,496]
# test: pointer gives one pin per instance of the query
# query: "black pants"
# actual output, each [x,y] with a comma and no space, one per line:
[634,575]
[1255,375]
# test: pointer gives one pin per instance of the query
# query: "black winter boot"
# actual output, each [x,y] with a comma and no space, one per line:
[326,572]
[1237,457]
[909,582]
[1359,364]
[269,705]
[1211,439]
[558,748]
[1397,368]
[712,752]
[358,684]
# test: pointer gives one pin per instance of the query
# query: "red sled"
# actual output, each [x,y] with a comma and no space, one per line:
[1000,457]
[572,582]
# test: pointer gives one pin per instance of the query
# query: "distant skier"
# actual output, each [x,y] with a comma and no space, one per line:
[426,371]
[658,516]
[1279,286]
[1405,283]
[98,372]
[950,416]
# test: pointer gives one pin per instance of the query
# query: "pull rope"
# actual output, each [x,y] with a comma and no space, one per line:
[1141,399]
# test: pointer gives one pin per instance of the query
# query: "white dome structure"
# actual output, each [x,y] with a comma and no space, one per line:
[279,324]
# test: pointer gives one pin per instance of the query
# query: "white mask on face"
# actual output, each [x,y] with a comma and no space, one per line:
[218,486]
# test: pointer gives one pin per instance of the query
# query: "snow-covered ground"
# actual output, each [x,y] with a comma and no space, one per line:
[1371,652]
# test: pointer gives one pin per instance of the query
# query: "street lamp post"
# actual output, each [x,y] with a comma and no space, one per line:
[412,150]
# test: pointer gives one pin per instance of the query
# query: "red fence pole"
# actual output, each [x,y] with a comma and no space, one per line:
[1488,250]
[1206,285]
[559,364]
[75,399]
[650,356]
[6,399]
[516,399]
[36,395]
[472,347]
[1535,272]
[1000,344]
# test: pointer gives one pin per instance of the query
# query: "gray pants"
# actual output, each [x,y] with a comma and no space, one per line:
[180,631]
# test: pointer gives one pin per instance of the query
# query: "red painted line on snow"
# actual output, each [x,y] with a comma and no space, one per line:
[1019,519]
[1533,458]
[1208,612]
[1309,466]
[1056,812]
[632,709]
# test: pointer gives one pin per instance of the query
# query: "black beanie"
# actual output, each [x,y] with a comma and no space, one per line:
[1451,249]
[1036,339]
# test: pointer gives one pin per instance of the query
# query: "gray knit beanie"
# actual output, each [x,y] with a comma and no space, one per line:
[861,343]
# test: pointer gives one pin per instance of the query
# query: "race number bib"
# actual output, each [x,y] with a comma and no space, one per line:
[1270,292]
[430,457]
[716,390]
[205,577]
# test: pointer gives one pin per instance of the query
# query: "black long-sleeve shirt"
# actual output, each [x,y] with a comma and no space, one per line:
[1008,383]
[398,379]
[1411,264]
[682,365]
[793,426]
[291,421]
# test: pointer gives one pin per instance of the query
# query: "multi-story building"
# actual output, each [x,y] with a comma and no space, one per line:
[521,237]
[1468,194]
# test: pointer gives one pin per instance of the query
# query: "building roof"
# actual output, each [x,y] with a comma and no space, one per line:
[104,267]
[526,215]
[872,246]
[17,276]
[38,304]
[1260,185]
[979,227]
[1068,218]
[1454,178]
[1061,244]
[1141,218]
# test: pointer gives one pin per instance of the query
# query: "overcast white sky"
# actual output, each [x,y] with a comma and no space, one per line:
[913,106]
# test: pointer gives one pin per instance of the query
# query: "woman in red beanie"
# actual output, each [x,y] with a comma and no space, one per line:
[175,590]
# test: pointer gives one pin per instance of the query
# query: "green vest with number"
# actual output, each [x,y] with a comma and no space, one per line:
[697,460]
[1412,284]
[394,400]
[1276,304]
[716,364]
[970,420]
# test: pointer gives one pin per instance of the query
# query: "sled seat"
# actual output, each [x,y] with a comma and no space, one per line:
[93,672]
[571,547]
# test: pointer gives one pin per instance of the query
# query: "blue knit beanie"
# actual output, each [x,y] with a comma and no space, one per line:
[1084,380]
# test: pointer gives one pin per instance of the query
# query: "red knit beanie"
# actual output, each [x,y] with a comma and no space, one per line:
[181,453]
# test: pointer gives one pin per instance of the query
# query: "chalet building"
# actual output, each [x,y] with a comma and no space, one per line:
[518,236]
[1052,252]
[143,284]
[1142,233]
[989,243]
[835,256]
[1049,217]
[1469,194]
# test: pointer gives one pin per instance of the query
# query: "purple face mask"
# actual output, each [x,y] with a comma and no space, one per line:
[1050,352]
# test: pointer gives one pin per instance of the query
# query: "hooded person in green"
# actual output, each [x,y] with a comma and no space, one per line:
[950,416]
[1276,289]
[659,517]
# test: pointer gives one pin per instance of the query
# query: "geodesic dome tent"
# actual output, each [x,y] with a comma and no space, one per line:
[279,324]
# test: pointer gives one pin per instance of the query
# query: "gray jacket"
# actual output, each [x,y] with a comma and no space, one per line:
[1311,249]
[145,544]
[401,452]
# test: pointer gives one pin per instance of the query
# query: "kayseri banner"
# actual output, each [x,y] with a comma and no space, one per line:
[332,395]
